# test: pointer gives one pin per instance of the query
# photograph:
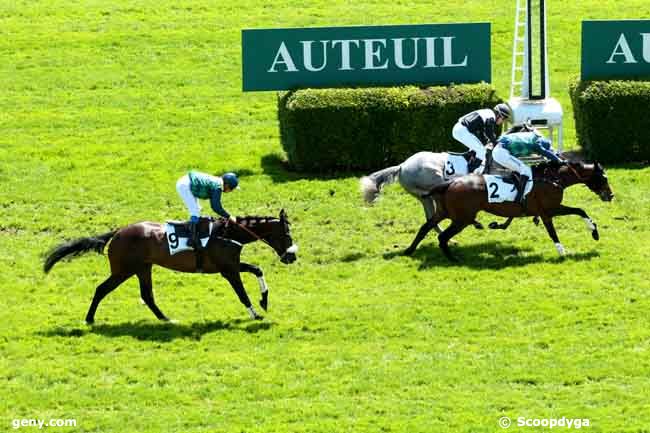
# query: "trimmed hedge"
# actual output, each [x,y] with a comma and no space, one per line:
[343,129]
[612,121]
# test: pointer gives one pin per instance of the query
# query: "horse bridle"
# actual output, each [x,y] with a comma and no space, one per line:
[292,249]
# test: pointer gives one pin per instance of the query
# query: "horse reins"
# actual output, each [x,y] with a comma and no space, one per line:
[256,236]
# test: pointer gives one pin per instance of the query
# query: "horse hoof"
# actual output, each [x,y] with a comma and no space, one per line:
[595,235]
[478,226]
[409,251]
[258,317]
[536,220]
[494,225]
[89,322]
[264,304]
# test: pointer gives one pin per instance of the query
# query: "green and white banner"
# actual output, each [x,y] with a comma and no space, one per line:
[284,59]
[615,49]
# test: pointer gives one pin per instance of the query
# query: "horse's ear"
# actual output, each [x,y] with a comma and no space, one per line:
[283,214]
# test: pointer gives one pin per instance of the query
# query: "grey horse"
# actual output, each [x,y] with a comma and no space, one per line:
[418,175]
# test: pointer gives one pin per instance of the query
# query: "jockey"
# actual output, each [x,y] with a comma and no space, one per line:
[478,128]
[512,146]
[201,185]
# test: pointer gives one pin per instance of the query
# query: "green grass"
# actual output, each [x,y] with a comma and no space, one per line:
[104,105]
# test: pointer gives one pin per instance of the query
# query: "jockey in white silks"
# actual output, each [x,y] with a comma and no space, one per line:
[478,128]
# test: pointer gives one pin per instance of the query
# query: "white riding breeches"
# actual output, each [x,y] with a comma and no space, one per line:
[505,158]
[471,141]
[183,188]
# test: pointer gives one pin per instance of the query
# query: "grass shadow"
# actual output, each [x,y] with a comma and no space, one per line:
[277,168]
[162,331]
[490,255]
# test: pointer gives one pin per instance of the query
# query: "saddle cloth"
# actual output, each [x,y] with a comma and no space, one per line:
[455,165]
[502,188]
[178,233]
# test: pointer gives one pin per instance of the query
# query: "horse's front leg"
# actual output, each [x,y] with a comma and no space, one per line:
[264,289]
[235,281]
[550,228]
[566,210]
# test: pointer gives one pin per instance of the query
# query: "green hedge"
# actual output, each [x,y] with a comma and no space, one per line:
[612,121]
[370,128]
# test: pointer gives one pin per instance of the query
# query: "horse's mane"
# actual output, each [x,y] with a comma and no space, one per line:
[256,218]
[554,166]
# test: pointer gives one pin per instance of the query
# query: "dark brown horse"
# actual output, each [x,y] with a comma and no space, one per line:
[134,249]
[461,199]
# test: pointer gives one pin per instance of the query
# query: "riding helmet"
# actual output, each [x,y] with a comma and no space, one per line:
[231,180]
[503,111]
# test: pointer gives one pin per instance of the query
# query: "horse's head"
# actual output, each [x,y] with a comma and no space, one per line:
[273,231]
[593,175]
[280,240]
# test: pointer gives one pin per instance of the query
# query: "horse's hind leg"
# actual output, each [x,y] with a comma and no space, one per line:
[102,290]
[454,228]
[422,233]
[264,289]
[146,292]
[431,224]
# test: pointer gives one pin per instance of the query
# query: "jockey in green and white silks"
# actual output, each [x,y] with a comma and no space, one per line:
[196,185]
[512,146]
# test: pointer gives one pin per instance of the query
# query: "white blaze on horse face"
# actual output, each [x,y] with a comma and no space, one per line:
[293,249]
[263,287]
[590,224]
[560,249]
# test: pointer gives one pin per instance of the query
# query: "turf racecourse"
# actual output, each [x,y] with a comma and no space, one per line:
[104,104]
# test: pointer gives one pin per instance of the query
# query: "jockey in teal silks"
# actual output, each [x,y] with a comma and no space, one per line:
[195,185]
[512,146]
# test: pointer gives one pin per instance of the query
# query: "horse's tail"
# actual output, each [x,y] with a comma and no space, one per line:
[76,247]
[372,184]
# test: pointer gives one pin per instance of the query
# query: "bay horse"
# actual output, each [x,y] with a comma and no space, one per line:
[462,198]
[134,249]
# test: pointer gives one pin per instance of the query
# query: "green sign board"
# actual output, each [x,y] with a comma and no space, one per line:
[615,49]
[284,59]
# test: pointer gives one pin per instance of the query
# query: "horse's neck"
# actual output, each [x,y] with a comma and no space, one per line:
[571,176]
[251,228]
[564,176]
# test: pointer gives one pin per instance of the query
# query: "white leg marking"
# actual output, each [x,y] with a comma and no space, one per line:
[251,312]
[560,249]
[263,287]
[590,224]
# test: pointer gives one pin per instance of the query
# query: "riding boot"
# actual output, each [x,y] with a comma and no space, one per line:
[194,241]
[521,187]
[474,164]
